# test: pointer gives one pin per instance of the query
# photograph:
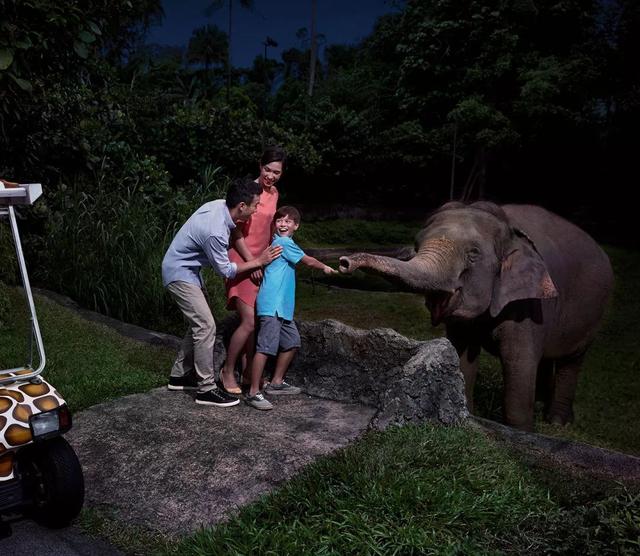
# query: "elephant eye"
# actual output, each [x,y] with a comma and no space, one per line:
[473,255]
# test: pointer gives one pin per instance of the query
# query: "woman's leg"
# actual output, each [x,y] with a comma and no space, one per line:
[237,343]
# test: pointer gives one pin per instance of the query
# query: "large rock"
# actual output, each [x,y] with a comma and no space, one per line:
[405,380]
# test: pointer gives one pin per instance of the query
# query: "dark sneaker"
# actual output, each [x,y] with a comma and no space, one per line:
[187,382]
[216,397]
[284,388]
[259,402]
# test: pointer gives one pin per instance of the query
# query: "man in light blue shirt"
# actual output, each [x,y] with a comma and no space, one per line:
[204,241]
[277,333]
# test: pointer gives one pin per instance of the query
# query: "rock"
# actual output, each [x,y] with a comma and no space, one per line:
[405,380]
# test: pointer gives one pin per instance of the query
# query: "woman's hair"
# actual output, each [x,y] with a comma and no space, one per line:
[273,154]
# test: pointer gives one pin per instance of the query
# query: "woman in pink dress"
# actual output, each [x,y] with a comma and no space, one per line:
[243,290]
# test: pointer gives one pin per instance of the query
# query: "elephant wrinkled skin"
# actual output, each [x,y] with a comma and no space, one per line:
[520,282]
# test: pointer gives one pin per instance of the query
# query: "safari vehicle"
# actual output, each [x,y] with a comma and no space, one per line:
[40,475]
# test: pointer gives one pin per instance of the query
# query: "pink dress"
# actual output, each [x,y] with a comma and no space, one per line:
[257,232]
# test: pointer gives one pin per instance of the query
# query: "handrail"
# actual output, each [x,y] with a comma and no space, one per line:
[9,375]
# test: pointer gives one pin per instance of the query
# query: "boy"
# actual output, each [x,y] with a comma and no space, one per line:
[203,241]
[274,308]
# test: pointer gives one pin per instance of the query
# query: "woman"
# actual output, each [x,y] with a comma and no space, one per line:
[243,290]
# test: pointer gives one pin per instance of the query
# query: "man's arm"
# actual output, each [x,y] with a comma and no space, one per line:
[218,256]
[268,255]
[315,263]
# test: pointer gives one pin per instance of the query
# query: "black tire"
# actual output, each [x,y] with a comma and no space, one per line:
[53,480]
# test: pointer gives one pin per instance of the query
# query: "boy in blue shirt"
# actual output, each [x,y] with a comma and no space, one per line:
[274,308]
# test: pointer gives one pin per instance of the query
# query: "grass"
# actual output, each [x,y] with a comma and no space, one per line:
[420,490]
[87,362]
[355,233]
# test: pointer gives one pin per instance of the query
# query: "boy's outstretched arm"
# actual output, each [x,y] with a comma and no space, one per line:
[315,263]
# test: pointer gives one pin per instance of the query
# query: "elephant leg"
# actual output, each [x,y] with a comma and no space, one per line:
[468,352]
[564,392]
[545,383]
[469,368]
[519,390]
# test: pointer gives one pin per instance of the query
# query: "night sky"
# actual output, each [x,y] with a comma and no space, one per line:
[341,22]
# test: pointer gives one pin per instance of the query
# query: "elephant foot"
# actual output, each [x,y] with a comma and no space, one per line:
[563,419]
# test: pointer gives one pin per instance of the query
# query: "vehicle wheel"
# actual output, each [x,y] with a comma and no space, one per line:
[53,479]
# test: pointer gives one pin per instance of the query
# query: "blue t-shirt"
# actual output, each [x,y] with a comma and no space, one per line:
[277,295]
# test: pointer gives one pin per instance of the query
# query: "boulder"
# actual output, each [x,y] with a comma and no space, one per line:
[405,380]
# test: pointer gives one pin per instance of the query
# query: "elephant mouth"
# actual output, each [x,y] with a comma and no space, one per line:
[440,304]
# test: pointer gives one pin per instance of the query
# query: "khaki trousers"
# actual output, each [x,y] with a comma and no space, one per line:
[196,351]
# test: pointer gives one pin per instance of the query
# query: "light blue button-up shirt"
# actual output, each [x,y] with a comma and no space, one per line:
[277,295]
[202,241]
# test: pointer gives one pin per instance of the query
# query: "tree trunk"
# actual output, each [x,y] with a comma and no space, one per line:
[229,50]
[314,48]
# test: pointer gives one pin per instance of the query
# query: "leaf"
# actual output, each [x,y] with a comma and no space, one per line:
[6,58]
[94,27]
[22,83]
[81,49]
[87,37]
[24,44]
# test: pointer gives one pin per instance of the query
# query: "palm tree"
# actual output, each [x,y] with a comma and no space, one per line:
[216,5]
[208,45]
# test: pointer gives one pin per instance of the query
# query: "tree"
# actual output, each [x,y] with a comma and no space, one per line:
[314,48]
[208,45]
[216,5]
[503,75]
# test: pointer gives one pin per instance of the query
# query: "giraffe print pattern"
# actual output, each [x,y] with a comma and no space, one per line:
[19,401]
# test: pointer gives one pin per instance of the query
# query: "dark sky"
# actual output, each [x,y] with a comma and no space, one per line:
[341,21]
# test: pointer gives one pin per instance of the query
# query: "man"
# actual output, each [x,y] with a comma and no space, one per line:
[204,241]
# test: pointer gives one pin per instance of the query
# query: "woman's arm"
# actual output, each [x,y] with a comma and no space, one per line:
[315,263]
[237,241]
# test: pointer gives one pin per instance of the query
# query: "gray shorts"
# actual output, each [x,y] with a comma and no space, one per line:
[274,333]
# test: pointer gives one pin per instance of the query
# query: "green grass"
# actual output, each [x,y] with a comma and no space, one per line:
[86,362]
[355,233]
[421,490]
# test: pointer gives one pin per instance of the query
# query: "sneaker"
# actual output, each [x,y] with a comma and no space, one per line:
[187,382]
[284,388]
[216,397]
[259,402]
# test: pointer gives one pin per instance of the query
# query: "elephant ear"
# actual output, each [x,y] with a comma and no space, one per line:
[523,275]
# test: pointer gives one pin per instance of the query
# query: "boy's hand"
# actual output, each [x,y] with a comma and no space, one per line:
[269,254]
[328,270]
[256,277]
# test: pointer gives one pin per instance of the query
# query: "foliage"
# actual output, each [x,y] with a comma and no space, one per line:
[499,73]
[5,305]
[9,266]
[208,45]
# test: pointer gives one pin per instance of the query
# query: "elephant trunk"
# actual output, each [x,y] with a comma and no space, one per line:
[423,273]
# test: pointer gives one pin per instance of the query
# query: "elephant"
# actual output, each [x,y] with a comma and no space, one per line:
[516,280]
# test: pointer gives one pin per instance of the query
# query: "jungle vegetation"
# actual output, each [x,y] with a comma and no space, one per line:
[526,101]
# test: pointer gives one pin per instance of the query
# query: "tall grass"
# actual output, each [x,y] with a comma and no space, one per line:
[104,248]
